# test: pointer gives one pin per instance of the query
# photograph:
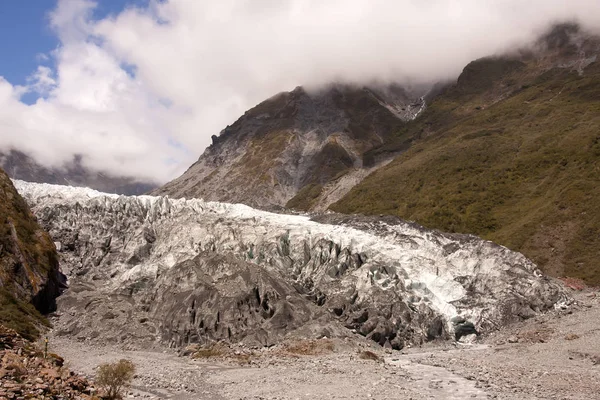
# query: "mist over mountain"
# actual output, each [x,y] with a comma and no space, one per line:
[142,90]
[510,152]
[507,151]
[73,173]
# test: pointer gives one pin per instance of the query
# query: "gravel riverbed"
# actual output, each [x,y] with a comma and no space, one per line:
[550,356]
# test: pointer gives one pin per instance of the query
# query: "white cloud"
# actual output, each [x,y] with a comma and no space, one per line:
[41,81]
[141,92]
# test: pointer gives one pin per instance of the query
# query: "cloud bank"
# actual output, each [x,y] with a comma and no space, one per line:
[141,92]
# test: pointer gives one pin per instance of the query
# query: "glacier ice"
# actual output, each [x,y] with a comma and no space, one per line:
[187,270]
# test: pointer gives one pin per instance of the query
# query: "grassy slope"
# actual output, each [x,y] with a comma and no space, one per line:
[20,281]
[524,172]
[330,163]
[305,198]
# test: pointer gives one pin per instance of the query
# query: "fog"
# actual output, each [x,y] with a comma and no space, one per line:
[141,92]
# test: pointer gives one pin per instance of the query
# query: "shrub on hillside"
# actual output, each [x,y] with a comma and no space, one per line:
[115,377]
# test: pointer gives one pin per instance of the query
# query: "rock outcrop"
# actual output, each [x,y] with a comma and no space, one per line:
[27,373]
[185,271]
[29,271]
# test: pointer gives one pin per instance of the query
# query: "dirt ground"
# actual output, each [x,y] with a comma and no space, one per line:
[551,356]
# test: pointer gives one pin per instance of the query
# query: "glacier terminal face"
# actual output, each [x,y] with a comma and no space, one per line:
[147,269]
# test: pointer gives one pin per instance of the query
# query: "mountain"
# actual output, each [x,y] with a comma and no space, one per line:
[510,152]
[297,141]
[19,165]
[149,269]
[30,279]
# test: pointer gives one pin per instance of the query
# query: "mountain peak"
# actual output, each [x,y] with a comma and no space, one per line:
[293,140]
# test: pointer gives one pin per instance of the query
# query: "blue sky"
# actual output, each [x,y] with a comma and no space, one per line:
[25,33]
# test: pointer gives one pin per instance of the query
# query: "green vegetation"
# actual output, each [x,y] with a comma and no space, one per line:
[20,316]
[306,198]
[27,260]
[115,377]
[516,162]
[36,245]
[255,167]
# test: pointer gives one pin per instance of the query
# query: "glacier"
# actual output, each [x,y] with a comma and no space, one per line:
[151,269]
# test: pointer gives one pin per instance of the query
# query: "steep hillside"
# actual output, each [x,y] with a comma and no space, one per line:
[29,275]
[511,152]
[295,141]
[19,165]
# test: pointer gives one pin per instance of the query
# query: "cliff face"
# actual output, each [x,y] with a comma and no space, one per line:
[146,268]
[29,272]
[295,140]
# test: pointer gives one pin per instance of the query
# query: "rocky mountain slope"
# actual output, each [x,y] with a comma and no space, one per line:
[146,269]
[29,275]
[511,152]
[296,141]
[19,165]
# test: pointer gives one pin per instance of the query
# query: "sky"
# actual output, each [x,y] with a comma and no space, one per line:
[137,87]
[28,20]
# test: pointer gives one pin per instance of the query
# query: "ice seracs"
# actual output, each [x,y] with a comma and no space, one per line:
[197,271]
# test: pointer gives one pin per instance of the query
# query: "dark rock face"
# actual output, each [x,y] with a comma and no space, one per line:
[436,329]
[29,271]
[246,304]
[19,165]
[153,269]
[293,140]
[480,75]
[464,329]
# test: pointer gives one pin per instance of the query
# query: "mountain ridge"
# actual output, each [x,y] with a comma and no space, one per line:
[19,165]
[494,137]
[294,140]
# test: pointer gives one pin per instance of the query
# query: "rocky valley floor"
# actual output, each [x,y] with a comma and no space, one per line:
[550,356]
[304,303]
